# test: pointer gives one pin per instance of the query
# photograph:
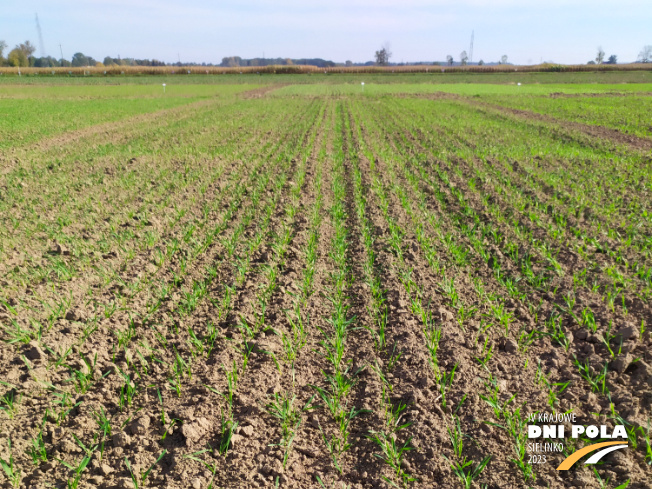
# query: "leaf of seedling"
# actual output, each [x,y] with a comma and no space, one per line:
[14,474]
[273,356]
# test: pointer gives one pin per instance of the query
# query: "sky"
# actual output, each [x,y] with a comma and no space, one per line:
[527,31]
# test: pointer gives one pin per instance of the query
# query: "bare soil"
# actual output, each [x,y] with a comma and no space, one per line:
[187,426]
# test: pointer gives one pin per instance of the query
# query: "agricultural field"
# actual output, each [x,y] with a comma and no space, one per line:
[322,285]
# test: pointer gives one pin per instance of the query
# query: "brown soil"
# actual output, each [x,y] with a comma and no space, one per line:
[166,330]
[262,91]
[430,96]
[603,94]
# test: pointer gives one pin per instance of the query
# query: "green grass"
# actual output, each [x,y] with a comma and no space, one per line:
[629,114]
[30,113]
[508,87]
[120,91]
[434,76]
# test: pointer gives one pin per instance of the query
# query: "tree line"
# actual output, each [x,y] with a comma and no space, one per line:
[22,55]
[234,61]
[383,55]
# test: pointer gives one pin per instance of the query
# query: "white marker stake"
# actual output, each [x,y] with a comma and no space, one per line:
[164,88]
[362,84]
[519,84]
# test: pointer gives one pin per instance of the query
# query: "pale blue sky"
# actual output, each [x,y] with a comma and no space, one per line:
[528,31]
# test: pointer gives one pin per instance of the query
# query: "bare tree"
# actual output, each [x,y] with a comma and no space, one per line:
[449,60]
[27,47]
[464,58]
[645,56]
[599,58]
[383,55]
[503,59]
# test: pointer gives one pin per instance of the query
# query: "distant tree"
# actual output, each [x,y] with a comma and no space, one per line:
[449,60]
[503,59]
[21,55]
[612,60]
[480,63]
[231,61]
[599,57]
[382,56]
[80,59]
[591,62]
[645,56]
[27,47]
[46,62]
[3,46]
[464,58]
[108,61]
[17,58]
[348,62]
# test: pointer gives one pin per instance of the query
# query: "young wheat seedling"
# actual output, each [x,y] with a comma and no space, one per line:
[14,475]
[140,480]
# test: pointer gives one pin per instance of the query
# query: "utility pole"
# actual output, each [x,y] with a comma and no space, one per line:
[61,49]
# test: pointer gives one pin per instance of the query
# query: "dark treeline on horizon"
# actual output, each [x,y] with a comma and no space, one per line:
[22,55]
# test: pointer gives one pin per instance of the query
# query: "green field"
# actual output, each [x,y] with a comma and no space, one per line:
[301,281]
[632,78]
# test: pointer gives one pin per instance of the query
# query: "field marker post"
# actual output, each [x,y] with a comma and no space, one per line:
[164,88]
